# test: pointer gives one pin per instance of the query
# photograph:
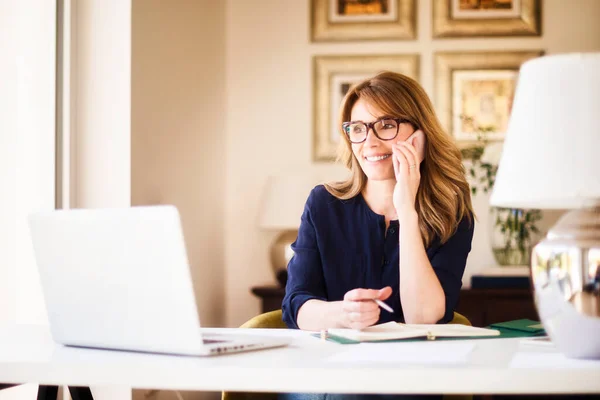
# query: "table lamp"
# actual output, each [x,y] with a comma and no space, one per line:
[551,160]
[280,210]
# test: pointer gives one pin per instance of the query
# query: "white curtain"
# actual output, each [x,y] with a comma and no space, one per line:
[27,150]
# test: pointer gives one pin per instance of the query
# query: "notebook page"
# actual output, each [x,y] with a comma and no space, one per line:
[394,330]
[455,330]
[387,331]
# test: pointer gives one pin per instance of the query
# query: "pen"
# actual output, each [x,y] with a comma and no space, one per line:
[383,305]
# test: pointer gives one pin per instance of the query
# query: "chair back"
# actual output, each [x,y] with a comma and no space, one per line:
[270,320]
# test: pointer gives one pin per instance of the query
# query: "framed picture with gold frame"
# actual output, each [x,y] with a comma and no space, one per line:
[474,92]
[342,20]
[468,18]
[333,76]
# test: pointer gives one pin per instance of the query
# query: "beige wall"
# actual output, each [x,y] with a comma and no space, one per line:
[102,90]
[269,112]
[178,130]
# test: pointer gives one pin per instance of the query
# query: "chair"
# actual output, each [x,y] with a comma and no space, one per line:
[273,320]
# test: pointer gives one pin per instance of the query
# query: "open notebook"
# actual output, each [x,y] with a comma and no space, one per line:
[397,330]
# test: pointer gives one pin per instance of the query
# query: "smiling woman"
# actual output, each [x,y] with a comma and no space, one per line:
[385,128]
[390,94]
[398,230]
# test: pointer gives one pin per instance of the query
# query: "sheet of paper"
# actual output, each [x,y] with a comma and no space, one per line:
[548,359]
[405,353]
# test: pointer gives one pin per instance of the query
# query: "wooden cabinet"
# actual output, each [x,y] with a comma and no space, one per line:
[487,306]
[271,297]
[481,306]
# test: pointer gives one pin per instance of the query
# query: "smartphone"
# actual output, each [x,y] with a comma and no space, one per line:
[419,143]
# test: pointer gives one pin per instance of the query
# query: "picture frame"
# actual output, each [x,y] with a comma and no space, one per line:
[473,91]
[344,20]
[470,18]
[332,78]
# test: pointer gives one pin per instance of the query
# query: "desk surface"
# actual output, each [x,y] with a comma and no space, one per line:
[28,354]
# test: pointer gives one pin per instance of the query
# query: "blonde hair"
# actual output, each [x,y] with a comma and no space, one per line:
[443,197]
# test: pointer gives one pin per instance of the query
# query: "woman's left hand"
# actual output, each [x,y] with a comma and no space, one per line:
[408,175]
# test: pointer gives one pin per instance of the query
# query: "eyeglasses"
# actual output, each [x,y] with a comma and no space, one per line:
[384,129]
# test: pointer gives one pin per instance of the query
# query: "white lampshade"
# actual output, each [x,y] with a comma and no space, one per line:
[283,201]
[551,156]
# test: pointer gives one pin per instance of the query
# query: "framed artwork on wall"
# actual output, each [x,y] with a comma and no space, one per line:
[474,92]
[463,18]
[333,76]
[342,20]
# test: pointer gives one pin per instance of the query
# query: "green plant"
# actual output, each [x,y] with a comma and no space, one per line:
[482,173]
[513,229]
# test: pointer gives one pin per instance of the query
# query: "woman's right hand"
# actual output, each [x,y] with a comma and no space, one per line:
[359,309]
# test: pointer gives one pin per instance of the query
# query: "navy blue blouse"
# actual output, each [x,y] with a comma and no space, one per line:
[342,245]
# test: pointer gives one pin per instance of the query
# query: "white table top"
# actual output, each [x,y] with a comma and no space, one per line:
[28,354]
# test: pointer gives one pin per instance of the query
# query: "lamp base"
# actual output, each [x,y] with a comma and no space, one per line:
[281,254]
[565,270]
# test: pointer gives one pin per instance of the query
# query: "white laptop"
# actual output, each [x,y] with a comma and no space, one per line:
[119,279]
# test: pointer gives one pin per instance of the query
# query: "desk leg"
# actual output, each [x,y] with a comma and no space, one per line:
[51,392]
[44,392]
[81,393]
[47,392]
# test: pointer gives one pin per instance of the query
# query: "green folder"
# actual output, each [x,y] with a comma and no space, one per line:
[520,328]
[509,329]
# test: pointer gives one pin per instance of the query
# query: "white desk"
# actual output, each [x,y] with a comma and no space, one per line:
[27,354]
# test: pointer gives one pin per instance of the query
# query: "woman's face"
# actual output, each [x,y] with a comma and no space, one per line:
[375,155]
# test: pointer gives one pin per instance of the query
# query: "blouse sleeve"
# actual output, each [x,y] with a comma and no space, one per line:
[449,261]
[305,272]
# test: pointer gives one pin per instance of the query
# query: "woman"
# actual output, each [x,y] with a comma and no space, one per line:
[398,230]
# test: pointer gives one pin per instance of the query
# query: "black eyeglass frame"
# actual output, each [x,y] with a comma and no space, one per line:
[371,126]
